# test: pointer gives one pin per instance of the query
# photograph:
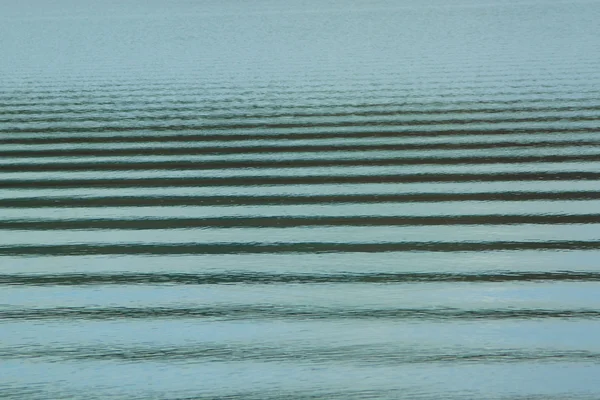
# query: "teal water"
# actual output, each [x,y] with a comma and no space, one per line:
[265,200]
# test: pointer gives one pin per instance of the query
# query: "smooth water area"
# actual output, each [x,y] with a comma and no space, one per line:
[300,200]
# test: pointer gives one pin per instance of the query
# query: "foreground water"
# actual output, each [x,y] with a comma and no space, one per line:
[320,200]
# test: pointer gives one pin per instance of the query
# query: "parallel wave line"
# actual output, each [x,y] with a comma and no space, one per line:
[104,116]
[296,180]
[282,248]
[294,313]
[235,100]
[330,354]
[224,137]
[190,147]
[183,201]
[283,109]
[286,221]
[128,165]
[225,278]
[320,89]
[282,125]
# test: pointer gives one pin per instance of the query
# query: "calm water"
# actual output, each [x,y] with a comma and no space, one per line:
[264,200]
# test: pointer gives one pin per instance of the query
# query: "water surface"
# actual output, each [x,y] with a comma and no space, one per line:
[266,200]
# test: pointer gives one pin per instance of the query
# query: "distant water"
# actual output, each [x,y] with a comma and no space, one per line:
[265,200]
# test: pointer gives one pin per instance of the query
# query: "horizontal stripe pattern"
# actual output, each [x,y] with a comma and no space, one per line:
[267,201]
[50,146]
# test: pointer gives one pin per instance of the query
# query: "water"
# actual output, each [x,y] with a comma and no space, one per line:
[266,200]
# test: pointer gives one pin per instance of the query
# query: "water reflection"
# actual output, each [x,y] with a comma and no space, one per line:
[317,201]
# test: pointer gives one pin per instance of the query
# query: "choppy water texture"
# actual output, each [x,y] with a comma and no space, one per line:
[265,200]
